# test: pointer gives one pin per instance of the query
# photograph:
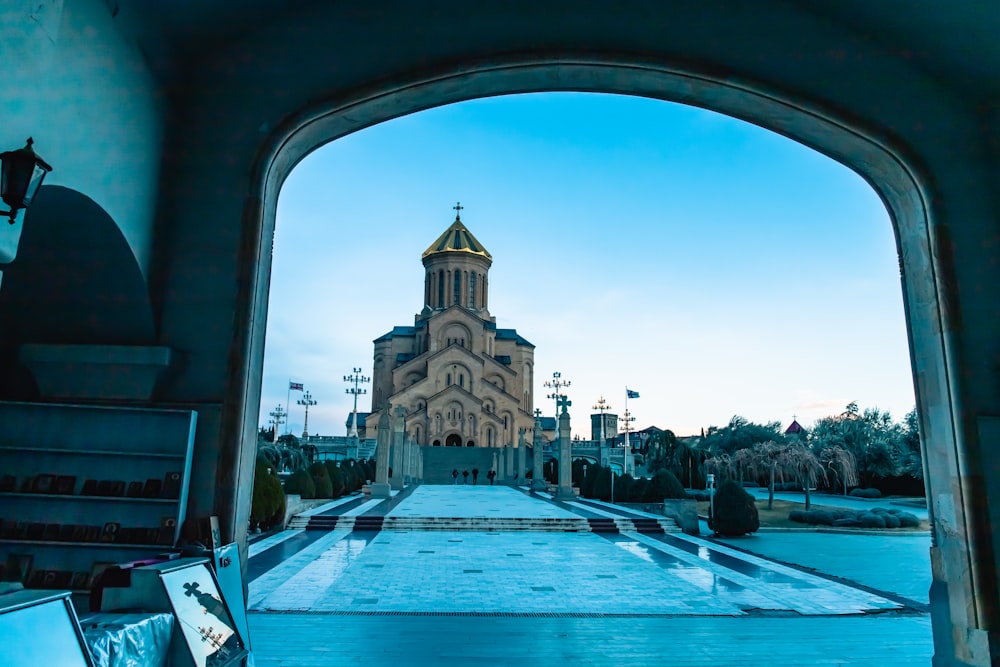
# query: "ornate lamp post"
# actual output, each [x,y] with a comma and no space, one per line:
[626,454]
[21,174]
[356,378]
[278,416]
[555,384]
[306,400]
[602,407]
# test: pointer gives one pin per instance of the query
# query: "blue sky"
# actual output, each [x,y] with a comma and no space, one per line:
[713,266]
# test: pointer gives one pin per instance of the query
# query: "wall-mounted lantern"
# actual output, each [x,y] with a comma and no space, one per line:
[21,174]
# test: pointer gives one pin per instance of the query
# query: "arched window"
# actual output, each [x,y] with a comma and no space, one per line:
[440,301]
[472,290]
[461,380]
[456,297]
[448,382]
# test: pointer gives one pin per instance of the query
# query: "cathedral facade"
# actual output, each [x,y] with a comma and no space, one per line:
[462,381]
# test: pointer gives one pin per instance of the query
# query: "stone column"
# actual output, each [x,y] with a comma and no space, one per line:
[522,457]
[408,460]
[420,464]
[508,468]
[565,458]
[380,488]
[537,478]
[495,464]
[398,434]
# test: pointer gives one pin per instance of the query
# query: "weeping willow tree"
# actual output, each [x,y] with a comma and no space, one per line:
[803,463]
[842,466]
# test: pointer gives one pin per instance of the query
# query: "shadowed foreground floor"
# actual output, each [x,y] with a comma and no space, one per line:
[315,640]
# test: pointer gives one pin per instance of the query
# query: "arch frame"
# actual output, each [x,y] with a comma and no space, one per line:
[966,596]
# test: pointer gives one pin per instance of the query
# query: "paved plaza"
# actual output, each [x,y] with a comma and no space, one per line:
[507,595]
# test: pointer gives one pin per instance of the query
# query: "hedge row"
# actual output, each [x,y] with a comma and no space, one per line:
[875,518]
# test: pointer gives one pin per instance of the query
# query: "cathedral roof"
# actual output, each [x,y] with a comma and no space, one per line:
[457,239]
[511,334]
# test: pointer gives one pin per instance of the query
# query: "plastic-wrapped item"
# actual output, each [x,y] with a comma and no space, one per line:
[128,640]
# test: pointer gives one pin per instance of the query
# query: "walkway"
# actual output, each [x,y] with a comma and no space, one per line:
[424,596]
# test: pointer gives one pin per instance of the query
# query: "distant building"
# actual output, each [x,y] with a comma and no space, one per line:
[462,380]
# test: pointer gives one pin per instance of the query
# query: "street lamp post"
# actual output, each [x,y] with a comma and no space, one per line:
[278,415]
[306,400]
[627,420]
[554,385]
[356,378]
[602,407]
[710,478]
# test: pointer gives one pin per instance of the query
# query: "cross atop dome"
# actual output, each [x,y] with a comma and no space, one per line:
[458,210]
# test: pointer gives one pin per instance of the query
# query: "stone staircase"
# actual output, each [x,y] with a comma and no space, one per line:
[488,524]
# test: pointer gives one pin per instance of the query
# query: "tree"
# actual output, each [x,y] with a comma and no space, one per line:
[841,464]
[740,434]
[801,462]
[689,458]
[766,458]
[661,451]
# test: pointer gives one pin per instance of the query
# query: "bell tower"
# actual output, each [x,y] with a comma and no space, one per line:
[456,272]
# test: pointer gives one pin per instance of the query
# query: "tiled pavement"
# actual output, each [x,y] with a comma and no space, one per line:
[531,598]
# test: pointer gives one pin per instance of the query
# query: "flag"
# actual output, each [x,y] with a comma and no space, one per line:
[294,386]
[631,394]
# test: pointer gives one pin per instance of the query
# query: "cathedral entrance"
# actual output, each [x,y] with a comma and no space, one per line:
[453,440]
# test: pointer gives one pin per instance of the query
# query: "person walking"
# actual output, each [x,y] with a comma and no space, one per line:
[492,475]
[454,476]
[465,477]
[475,476]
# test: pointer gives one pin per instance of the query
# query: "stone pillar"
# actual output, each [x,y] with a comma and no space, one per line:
[495,463]
[352,446]
[398,434]
[380,488]
[565,459]
[408,460]
[522,457]
[508,468]
[537,478]
[420,464]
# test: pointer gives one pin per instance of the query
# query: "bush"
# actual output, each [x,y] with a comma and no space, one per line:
[751,485]
[787,486]
[664,485]
[336,479]
[797,515]
[871,520]
[639,489]
[891,520]
[697,494]
[301,482]
[267,500]
[866,493]
[735,511]
[907,520]
[321,480]
[847,523]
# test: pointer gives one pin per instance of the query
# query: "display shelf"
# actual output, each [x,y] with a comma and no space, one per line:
[62,447]
[58,496]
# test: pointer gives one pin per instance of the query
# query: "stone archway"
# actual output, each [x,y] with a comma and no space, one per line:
[453,440]
[875,157]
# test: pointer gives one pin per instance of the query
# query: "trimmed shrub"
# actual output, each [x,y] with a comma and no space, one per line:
[639,490]
[267,499]
[664,485]
[907,520]
[336,479]
[735,511]
[321,480]
[891,520]
[870,520]
[866,493]
[846,523]
[301,482]
[797,515]
[751,485]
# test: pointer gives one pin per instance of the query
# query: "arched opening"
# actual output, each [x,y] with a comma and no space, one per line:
[453,440]
[875,159]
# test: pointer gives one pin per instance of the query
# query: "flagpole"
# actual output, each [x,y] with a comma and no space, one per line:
[288,401]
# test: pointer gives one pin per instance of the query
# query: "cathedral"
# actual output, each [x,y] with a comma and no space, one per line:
[462,381]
